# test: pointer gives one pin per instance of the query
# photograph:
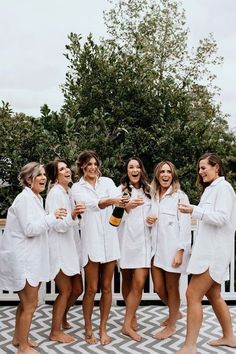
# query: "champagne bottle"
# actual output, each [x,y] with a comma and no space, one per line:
[117,214]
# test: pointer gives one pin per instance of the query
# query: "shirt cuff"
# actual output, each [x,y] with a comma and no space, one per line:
[197,213]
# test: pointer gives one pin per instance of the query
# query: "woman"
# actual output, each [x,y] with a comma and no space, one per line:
[211,253]
[135,242]
[64,248]
[100,245]
[172,239]
[24,258]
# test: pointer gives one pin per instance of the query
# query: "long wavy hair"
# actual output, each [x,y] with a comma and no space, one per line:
[213,160]
[125,181]
[83,159]
[155,184]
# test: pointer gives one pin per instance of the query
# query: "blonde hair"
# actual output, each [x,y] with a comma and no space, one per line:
[155,184]
[30,171]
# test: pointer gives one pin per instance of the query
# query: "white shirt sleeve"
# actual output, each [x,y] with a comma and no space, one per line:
[27,216]
[55,201]
[222,210]
[184,226]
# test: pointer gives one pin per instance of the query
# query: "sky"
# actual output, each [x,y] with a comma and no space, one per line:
[33,35]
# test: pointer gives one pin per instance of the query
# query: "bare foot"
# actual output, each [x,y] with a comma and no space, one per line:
[165,333]
[228,342]
[131,333]
[66,325]
[28,350]
[90,338]
[31,343]
[61,337]
[166,321]
[104,338]
[187,350]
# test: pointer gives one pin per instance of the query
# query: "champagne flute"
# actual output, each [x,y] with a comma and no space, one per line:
[80,203]
[140,198]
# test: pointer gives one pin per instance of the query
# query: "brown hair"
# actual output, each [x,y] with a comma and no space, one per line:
[213,160]
[125,181]
[155,184]
[29,171]
[52,169]
[83,159]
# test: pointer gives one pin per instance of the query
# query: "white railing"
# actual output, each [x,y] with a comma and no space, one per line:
[48,291]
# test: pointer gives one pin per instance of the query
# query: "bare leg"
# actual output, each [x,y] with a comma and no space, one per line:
[133,301]
[28,302]
[15,340]
[127,275]
[223,315]
[172,286]
[106,300]
[91,276]
[199,285]
[63,283]
[158,278]
[77,289]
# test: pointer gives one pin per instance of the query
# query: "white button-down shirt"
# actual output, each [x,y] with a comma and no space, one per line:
[24,250]
[135,235]
[64,238]
[172,232]
[214,240]
[99,240]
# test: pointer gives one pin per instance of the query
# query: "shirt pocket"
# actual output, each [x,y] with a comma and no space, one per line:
[207,205]
[168,217]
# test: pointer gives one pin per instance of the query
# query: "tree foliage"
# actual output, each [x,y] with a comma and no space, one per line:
[139,91]
[142,92]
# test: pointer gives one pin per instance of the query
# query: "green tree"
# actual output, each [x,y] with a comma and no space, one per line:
[140,91]
[23,139]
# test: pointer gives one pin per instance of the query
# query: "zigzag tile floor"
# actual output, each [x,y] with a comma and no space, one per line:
[149,318]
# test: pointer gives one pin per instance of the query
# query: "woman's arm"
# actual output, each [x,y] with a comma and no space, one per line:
[26,211]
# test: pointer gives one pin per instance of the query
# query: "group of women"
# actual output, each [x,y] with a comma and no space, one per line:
[73,232]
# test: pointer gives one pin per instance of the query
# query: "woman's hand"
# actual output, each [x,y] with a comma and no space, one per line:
[118,201]
[178,259]
[185,208]
[78,209]
[60,213]
[151,219]
[134,203]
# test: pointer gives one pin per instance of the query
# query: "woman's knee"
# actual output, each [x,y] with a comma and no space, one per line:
[106,289]
[29,307]
[159,290]
[65,291]
[193,296]
[76,291]
[91,290]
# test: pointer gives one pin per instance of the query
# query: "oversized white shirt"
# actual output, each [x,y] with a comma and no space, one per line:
[64,238]
[172,232]
[99,240]
[214,241]
[135,235]
[24,251]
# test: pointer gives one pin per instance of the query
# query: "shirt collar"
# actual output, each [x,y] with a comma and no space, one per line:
[39,199]
[216,181]
[82,181]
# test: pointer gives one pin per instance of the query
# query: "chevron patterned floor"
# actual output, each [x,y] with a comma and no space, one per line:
[149,318]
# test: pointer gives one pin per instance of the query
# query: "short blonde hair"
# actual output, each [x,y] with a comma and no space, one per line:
[29,171]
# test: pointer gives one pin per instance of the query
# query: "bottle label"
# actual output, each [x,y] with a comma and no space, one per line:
[114,221]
